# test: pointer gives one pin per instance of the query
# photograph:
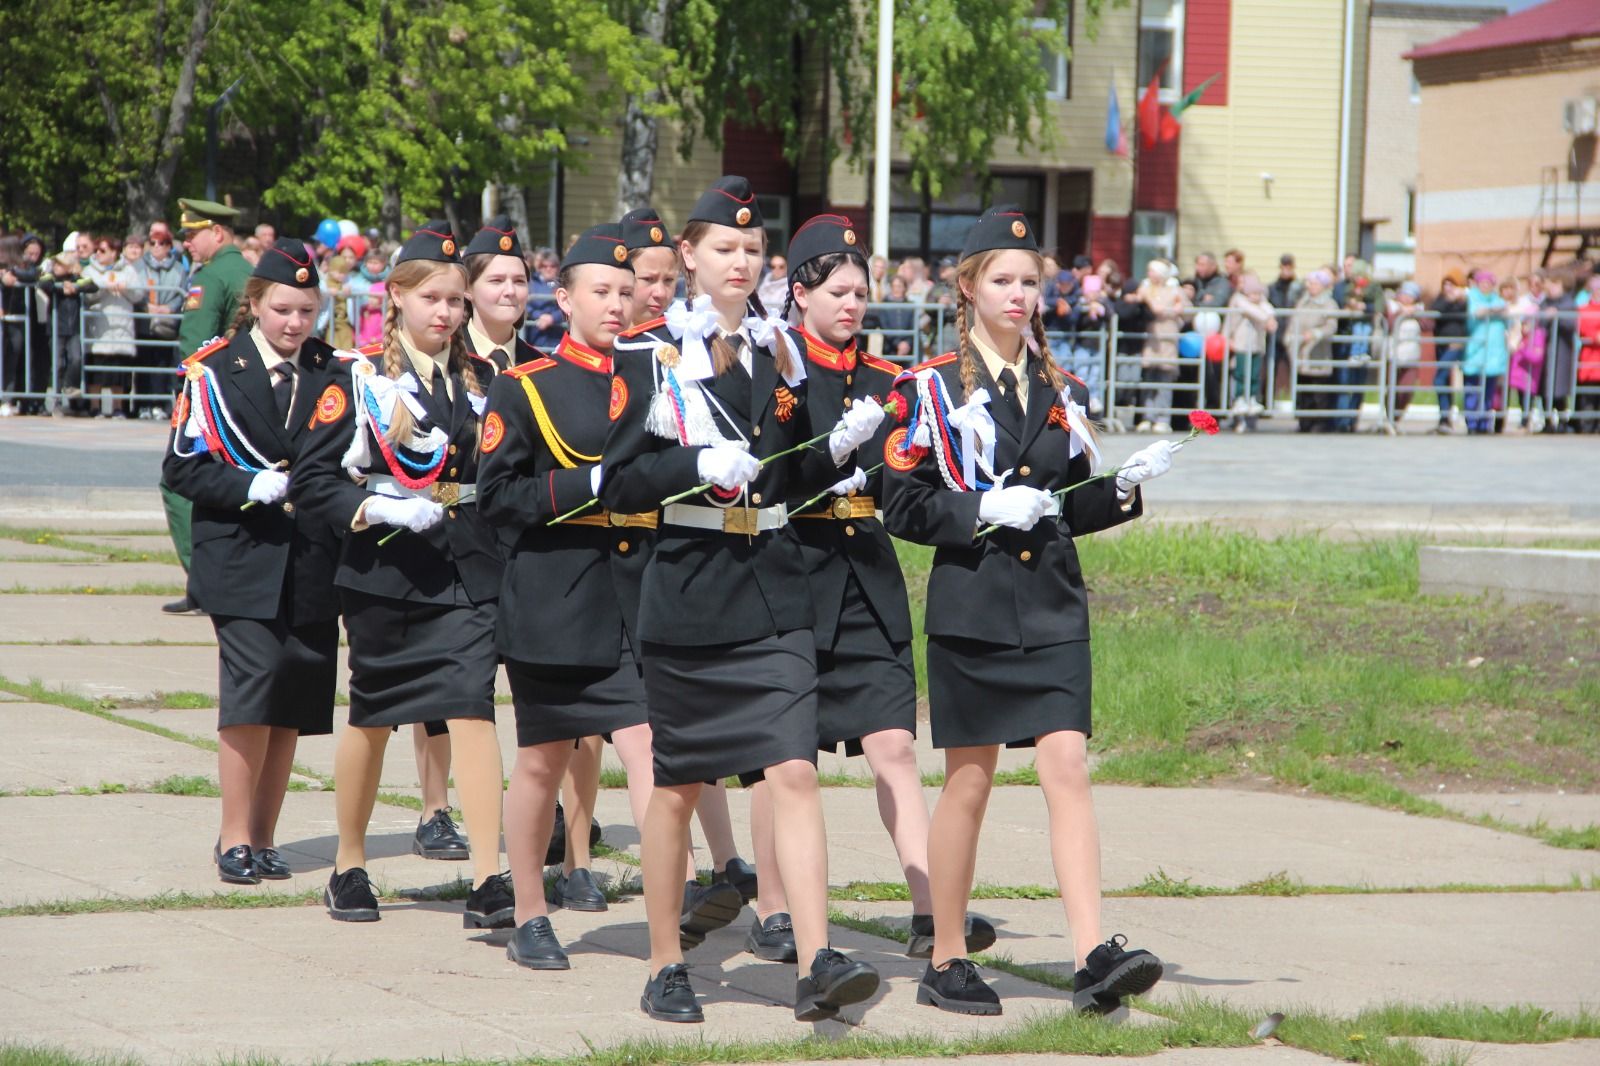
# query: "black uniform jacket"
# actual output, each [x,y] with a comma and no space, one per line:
[422,567]
[836,548]
[707,586]
[569,589]
[1013,588]
[266,561]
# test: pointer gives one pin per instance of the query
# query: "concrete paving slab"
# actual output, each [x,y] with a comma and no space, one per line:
[26,550]
[40,619]
[128,672]
[1563,1053]
[46,575]
[1329,953]
[141,542]
[375,991]
[1272,1054]
[1527,808]
[56,748]
[1567,578]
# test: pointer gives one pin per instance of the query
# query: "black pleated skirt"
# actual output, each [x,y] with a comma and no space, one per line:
[981,693]
[556,702]
[274,674]
[725,710]
[865,682]
[418,662]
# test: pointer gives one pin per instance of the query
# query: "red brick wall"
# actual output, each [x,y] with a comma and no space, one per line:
[757,154]
[1157,188]
[1111,237]
[1205,47]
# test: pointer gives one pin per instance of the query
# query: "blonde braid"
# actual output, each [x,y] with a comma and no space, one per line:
[969,360]
[242,320]
[395,363]
[1052,372]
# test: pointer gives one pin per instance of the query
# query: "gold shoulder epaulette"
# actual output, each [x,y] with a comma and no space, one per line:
[892,369]
[375,348]
[532,366]
[211,347]
[643,327]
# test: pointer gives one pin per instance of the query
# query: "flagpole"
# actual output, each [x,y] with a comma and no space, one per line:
[881,145]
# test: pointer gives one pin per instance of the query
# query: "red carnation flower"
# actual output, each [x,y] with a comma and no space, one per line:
[1203,422]
[895,407]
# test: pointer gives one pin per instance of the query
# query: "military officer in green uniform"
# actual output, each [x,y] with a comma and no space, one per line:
[219,276]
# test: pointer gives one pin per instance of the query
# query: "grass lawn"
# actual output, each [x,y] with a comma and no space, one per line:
[1300,661]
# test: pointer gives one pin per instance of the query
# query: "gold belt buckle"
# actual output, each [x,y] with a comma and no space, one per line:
[618,520]
[842,507]
[744,520]
[446,493]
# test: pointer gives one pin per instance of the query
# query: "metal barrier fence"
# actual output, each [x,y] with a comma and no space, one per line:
[1366,368]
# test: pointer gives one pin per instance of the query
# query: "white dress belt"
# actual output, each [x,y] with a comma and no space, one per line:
[726,519]
[386,485]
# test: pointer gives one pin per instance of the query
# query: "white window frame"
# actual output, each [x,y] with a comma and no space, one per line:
[1148,246]
[1173,22]
[1063,73]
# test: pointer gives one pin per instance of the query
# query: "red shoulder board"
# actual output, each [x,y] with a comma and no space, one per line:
[532,366]
[215,346]
[375,348]
[1070,376]
[938,360]
[892,369]
[634,331]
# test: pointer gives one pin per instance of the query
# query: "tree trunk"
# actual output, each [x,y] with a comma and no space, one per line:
[389,211]
[148,194]
[514,202]
[636,177]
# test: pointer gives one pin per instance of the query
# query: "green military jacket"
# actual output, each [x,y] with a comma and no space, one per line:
[213,297]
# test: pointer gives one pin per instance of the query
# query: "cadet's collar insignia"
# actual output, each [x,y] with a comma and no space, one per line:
[668,355]
[827,356]
[494,431]
[619,398]
[583,355]
[240,361]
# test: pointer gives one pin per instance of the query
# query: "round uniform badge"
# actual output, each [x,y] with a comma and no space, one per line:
[850,236]
[898,454]
[195,372]
[743,217]
[620,254]
[365,368]
[619,398]
[505,244]
[657,235]
[494,431]
[1019,229]
[448,246]
[330,406]
[302,275]
[667,355]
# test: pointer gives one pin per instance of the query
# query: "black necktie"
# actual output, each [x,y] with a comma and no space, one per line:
[1008,392]
[283,389]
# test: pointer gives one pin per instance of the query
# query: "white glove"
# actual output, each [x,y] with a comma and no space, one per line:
[1153,460]
[594,479]
[727,467]
[854,483]
[855,428]
[1019,506]
[412,512]
[269,486]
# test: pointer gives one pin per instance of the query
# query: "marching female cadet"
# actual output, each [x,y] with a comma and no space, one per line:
[419,605]
[261,570]
[995,428]
[866,685]
[655,280]
[570,596]
[725,616]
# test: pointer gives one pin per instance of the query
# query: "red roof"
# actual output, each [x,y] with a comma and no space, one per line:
[1553,20]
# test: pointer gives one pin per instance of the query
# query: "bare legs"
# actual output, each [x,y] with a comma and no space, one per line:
[712,809]
[530,819]
[475,748]
[902,807]
[1062,762]
[433,769]
[357,762]
[664,838]
[253,768]
[953,844]
[579,789]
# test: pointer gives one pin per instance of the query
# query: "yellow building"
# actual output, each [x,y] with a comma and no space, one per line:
[1506,137]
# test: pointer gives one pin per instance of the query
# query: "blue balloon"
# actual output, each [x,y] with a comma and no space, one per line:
[328,232]
[1190,345]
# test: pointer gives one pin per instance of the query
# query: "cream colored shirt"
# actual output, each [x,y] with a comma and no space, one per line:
[485,347]
[422,366]
[270,359]
[994,364]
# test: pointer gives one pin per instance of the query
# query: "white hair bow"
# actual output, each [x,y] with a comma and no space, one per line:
[693,323]
[764,331]
[1080,439]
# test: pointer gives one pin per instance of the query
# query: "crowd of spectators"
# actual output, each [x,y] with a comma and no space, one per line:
[1222,337]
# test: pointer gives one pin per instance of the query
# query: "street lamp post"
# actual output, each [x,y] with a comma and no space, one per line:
[882,145]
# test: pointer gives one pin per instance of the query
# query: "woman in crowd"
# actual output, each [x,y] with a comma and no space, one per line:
[1165,304]
[995,429]
[725,619]
[108,323]
[1484,366]
[419,596]
[1311,329]
[1248,325]
[261,570]
[1449,344]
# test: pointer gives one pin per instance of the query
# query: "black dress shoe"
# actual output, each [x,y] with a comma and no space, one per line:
[980,935]
[349,897]
[491,905]
[535,946]
[439,838]
[957,988]
[578,892]
[1112,972]
[270,865]
[555,853]
[740,875]
[668,997]
[835,981]
[183,606]
[237,865]
[706,908]
[772,939]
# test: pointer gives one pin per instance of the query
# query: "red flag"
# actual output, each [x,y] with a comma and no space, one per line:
[1150,111]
